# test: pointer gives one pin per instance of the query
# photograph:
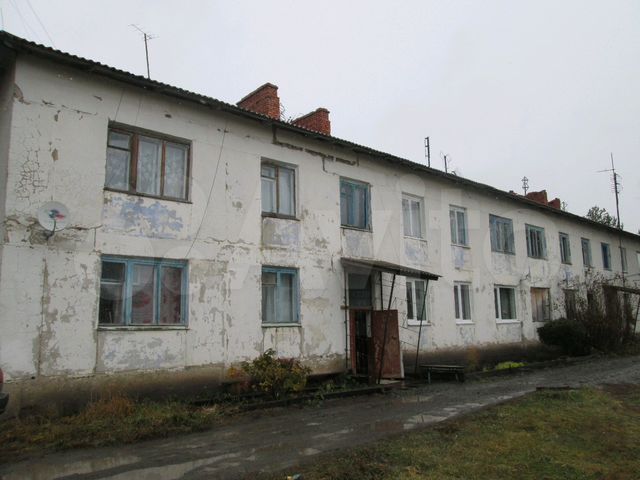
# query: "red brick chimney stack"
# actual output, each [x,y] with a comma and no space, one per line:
[318,121]
[263,100]
[538,197]
[555,203]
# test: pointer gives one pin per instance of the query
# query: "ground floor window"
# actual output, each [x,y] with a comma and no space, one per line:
[540,304]
[279,295]
[570,303]
[416,300]
[505,303]
[462,301]
[136,291]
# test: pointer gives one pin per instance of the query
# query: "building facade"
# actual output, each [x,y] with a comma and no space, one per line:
[201,234]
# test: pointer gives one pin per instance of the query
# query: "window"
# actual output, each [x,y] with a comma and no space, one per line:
[412,216]
[354,204]
[565,248]
[462,301]
[501,234]
[505,303]
[570,303]
[606,256]
[458,221]
[146,164]
[540,304]
[536,243]
[416,300]
[623,259]
[279,295]
[142,292]
[278,190]
[586,252]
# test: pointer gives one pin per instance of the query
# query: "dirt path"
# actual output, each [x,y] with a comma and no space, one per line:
[273,440]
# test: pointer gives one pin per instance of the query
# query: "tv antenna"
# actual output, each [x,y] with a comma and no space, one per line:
[446,158]
[427,151]
[146,37]
[615,186]
[525,185]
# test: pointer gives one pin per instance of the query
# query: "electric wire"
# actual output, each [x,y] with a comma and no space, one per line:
[41,24]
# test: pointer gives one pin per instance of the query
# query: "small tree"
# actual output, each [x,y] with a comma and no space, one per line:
[277,377]
[601,215]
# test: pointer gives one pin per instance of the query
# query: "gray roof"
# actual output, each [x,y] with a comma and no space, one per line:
[17,44]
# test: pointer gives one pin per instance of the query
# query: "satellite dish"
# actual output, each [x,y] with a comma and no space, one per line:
[53,216]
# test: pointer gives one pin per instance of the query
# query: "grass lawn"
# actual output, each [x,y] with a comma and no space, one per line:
[110,421]
[579,434]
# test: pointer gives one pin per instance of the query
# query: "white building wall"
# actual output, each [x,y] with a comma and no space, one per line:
[49,289]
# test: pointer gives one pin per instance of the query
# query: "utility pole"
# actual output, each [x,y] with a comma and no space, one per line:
[616,188]
[146,37]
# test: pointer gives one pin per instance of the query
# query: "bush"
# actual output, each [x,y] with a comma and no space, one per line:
[570,335]
[277,377]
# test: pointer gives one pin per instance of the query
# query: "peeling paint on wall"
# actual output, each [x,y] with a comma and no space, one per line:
[141,217]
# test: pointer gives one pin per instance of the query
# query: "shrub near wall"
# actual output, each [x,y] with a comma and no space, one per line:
[276,377]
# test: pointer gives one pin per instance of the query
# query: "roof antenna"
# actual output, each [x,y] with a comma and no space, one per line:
[615,186]
[446,158]
[525,185]
[147,37]
[427,151]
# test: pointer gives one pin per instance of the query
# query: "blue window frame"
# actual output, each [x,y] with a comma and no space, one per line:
[536,242]
[606,256]
[354,204]
[143,292]
[280,294]
[501,232]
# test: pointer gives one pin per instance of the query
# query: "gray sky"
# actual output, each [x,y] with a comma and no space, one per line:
[545,89]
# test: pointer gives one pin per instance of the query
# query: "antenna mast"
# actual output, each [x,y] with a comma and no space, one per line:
[615,179]
[525,185]
[146,37]
[427,151]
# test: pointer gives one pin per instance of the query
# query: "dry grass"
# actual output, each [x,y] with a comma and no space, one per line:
[114,420]
[585,434]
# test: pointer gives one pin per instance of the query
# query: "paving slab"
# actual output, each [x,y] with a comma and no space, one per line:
[272,440]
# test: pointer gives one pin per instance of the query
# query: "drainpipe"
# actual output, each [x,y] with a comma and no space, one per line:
[424,302]
[346,322]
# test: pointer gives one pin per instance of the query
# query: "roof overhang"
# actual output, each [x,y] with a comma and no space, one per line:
[387,267]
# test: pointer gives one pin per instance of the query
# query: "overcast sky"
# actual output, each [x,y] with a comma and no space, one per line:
[545,89]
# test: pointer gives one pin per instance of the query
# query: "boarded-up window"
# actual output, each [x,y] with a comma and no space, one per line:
[540,304]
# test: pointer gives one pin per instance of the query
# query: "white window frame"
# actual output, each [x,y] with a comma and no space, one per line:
[415,307]
[455,227]
[498,305]
[459,304]
[565,253]
[295,313]
[534,307]
[276,180]
[420,201]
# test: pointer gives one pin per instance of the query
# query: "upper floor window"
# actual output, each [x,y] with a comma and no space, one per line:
[279,295]
[416,300]
[458,221]
[354,204]
[501,234]
[136,291]
[462,301]
[565,248]
[623,259]
[505,303]
[606,256]
[278,190]
[540,304]
[586,252]
[536,242]
[147,164]
[412,214]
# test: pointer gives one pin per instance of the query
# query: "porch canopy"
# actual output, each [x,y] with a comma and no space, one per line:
[387,267]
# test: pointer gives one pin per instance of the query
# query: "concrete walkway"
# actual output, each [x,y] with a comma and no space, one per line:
[277,439]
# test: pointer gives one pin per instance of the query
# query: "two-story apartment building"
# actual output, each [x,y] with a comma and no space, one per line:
[201,234]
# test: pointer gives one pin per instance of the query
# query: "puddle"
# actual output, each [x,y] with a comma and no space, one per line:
[45,471]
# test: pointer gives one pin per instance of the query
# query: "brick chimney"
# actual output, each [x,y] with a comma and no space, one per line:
[555,203]
[318,121]
[538,197]
[263,100]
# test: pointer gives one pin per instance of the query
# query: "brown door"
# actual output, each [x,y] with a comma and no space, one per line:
[392,367]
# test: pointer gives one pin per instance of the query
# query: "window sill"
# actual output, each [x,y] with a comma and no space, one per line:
[567,263]
[507,322]
[357,229]
[504,253]
[542,321]
[147,195]
[277,325]
[465,322]
[461,246]
[107,328]
[537,258]
[416,323]
[279,215]
[419,239]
